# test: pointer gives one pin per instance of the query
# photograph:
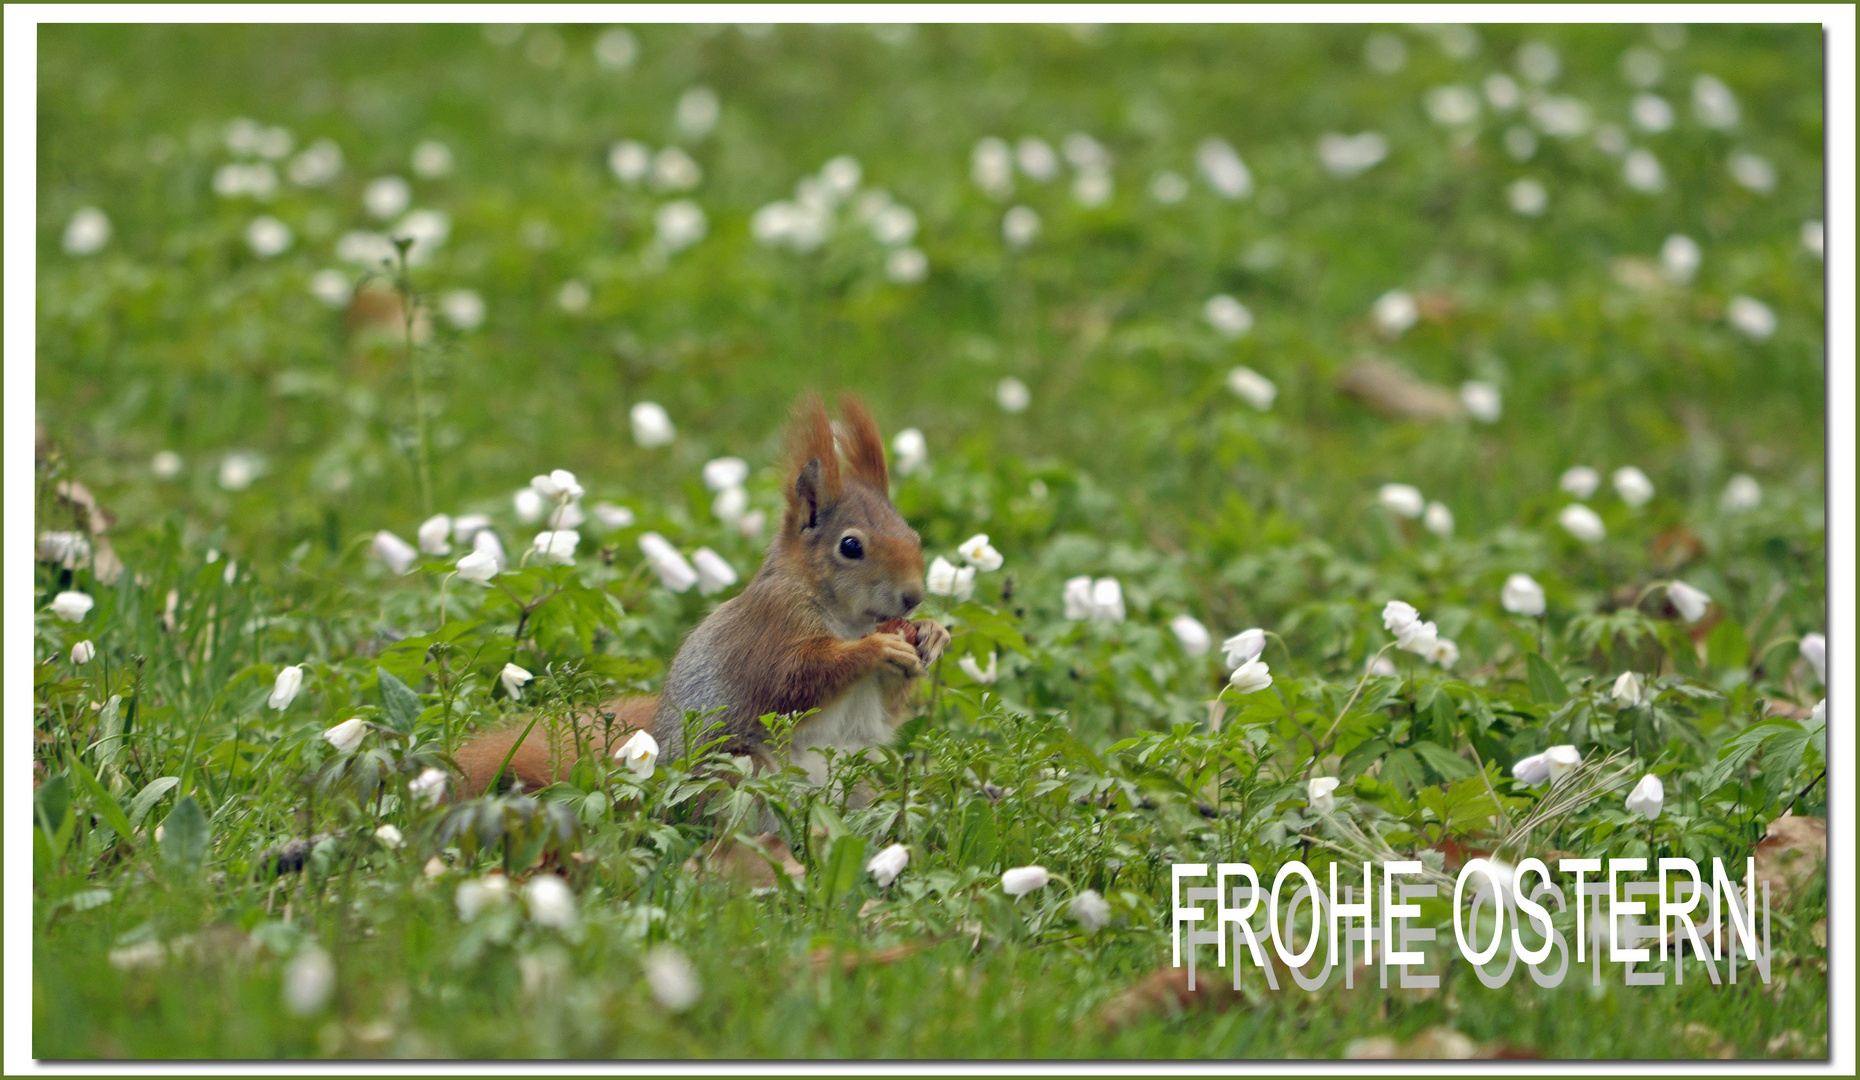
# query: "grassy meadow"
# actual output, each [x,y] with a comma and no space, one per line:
[1268,326]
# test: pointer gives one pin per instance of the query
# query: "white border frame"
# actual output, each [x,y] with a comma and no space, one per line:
[21,118]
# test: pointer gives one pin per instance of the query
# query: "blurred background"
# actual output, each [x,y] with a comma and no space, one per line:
[1114,218]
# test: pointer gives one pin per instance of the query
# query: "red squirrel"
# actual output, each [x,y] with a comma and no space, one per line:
[824,625]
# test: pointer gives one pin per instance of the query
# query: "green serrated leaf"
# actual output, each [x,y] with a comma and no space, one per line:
[1547,687]
[399,704]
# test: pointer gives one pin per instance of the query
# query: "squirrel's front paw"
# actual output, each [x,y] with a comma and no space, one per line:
[899,655]
[932,639]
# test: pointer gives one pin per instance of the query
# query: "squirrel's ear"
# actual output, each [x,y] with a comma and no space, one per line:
[816,468]
[865,449]
[805,497]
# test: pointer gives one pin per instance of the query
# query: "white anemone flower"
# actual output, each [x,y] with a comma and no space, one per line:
[346,736]
[984,675]
[1691,602]
[1395,312]
[1398,616]
[1077,597]
[83,652]
[1647,797]
[309,980]
[1482,400]
[1251,677]
[1438,519]
[1012,395]
[1252,387]
[1815,650]
[1741,495]
[1221,167]
[284,689]
[267,236]
[730,505]
[672,979]
[71,605]
[1522,595]
[1403,499]
[1633,486]
[1090,911]
[1582,523]
[725,472]
[1229,317]
[87,232]
[514,678]
[1680,257]
[674,572]
[715,574]
[910,451]
[479,566]
[428,787]
[1580,481]
[1751,317]
[551,902]
[474,896]
[398,554]
[1107,600]
[1242,647]
[1627,689]
[556,546]
[640,754]
[1318,791]
[888,864]
[434,535]
[1532,770]
[386,196]
[1420,638]
[487,543]
[1561,761]
[1021,880]
[1019,226]
[977,552]
[652,426]
[1194,637]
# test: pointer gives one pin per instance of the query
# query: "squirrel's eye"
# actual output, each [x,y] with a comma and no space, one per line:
[852,548]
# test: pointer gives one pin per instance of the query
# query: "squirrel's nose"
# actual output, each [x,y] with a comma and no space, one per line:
[910,599]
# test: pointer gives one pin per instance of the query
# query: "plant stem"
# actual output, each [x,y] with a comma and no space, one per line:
[423,468]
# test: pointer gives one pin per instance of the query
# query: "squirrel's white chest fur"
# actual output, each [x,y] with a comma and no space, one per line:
[850,723]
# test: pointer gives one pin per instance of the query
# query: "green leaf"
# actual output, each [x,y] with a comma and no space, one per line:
[1546,685]
[184,836]
[844,865]
[1361,757]
[1444,762]
[988,623]
[399,704]
[1402,771]
[101,801]
[145,799]
[1445,728]
[51,804]
[1727,649]
[978,835]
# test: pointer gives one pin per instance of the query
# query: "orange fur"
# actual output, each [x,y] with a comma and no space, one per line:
[865,449]
[530,765]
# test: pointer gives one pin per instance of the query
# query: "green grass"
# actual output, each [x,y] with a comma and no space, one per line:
[1134,460]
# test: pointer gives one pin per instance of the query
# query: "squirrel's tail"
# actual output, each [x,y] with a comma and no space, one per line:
[541,749]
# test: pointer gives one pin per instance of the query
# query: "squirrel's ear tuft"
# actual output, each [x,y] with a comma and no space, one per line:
[815,468]
[865,450]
